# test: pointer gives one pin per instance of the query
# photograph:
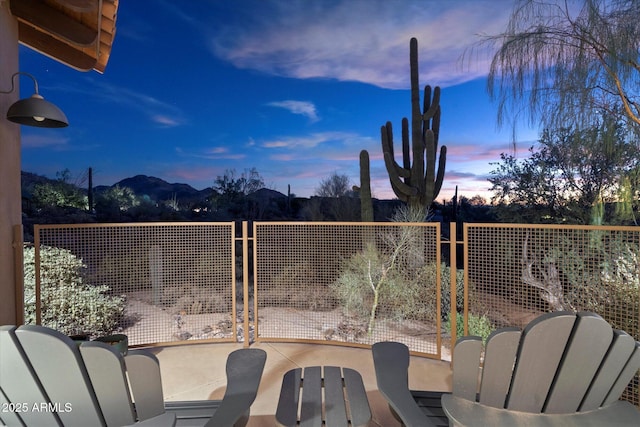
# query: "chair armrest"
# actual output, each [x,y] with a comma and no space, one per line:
[143,371]
[462,412]
[244,371]
[163,420]
[391,362]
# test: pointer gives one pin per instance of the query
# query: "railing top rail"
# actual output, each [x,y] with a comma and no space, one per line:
[468,225]
[349,224]
[133,224]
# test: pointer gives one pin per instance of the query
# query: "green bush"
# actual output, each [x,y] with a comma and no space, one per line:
[478,326]
[603,279]
[68,303]
[445,300]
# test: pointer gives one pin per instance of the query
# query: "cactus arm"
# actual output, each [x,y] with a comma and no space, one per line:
[406,150]
[402,190]
[440,176]
[430,172]
[435,126]
[431,107]
[393,167]
[386,136]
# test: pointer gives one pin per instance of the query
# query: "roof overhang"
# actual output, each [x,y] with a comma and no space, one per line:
[78,33]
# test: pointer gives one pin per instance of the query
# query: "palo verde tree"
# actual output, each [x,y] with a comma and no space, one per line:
[231,186]
[230,191]
[564,63]
[417,183]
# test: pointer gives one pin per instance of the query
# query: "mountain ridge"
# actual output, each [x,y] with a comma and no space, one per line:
[156,189]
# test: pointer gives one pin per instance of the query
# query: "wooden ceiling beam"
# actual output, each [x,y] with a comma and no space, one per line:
[55,48]
[79,5]
[51,20]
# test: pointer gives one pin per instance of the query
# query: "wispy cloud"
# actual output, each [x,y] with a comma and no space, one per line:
[360,40]
[329,144]
[304,108]
[215,153]
[165,121]
[121,97]
[44,141]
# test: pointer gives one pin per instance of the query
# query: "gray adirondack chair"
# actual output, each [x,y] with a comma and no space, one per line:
[563,369]
[46,379]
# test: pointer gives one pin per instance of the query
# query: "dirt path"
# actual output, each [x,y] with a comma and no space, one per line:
[156,325]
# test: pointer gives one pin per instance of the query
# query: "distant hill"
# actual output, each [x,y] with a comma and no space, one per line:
[266,194]
[160,190]
[154,188]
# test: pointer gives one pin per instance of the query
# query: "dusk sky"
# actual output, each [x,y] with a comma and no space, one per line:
[293,88]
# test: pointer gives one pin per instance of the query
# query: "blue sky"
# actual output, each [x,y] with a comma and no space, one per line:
[293,88]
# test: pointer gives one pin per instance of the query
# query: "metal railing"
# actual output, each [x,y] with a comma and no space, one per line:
[340,283]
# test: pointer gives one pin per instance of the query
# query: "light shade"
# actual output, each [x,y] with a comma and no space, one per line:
[36,111]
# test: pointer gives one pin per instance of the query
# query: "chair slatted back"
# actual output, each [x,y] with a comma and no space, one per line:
[145,381]
[108,378]
[499,359]
[590,341]
[57,363]
[19,385]
[562,362]
[539,357]
[467,367]
[621,350]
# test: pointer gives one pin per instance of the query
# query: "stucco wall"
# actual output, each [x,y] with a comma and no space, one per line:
[10,193]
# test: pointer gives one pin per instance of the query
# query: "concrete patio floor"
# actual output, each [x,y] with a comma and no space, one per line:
[196,372]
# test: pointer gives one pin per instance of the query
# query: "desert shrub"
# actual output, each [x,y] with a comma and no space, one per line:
[445,300]
[403,293]
[603,279]
[297,286]
[358,276]
[478,326]
[191,299]
[68,303]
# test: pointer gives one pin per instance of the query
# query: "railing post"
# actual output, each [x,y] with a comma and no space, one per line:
[453,264]
[18,257]
[245,281]
[465,252]
[38,281]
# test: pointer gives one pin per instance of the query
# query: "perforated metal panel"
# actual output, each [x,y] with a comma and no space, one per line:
[178,278]
[318,282]
[516,272]
[315,282]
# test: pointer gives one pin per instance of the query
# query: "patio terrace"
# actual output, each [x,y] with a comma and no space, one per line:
[195,372]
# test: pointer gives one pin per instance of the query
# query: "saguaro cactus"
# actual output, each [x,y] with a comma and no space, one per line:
[417,183]
[366,204]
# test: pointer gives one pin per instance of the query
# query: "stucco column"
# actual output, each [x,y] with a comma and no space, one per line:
[10,193]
